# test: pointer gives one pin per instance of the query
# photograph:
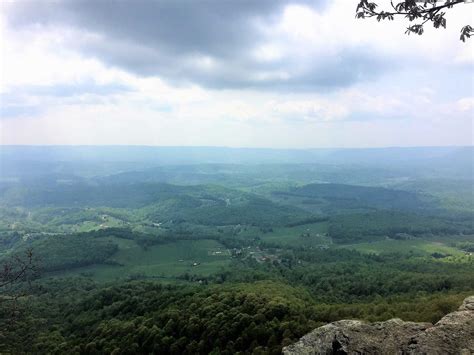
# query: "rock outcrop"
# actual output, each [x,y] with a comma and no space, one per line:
[453,334]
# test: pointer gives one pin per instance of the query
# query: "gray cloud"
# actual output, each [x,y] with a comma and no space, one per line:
[174,39]
[215,27]
[10,111]
[18,101]
[70,90]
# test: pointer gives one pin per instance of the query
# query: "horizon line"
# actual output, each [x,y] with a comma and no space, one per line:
[223,147]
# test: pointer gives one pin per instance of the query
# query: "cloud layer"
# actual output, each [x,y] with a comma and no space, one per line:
[213,68]
[216,44]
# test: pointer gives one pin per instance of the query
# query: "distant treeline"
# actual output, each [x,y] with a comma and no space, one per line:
[308,221]
[362,227]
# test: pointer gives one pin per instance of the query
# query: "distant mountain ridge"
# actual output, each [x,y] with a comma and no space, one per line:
[201,155]
[25,162]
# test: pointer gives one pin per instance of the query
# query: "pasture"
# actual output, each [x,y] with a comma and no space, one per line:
[162,261]
[417,247]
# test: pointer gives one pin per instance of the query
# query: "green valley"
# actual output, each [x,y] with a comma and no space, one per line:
[224,259]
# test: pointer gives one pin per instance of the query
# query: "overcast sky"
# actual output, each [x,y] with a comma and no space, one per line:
[258,73]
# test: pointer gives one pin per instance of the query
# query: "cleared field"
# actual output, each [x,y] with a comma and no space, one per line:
[422,247]
[165,261]
[87,226]
[303,235]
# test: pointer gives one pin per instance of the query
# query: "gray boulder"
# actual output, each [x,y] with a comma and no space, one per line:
[453,334]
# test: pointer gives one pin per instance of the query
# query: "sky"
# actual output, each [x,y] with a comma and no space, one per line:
[267,73]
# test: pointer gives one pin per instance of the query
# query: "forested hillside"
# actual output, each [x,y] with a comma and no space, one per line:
[225,259]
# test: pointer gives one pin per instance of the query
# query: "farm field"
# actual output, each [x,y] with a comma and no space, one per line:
[314,234]
[418,247]
[163,261]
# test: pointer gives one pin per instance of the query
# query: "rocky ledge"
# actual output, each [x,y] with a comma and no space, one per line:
[453,334]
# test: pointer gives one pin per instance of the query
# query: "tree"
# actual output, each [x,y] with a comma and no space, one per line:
[13,272]
[420,11]
[16,269]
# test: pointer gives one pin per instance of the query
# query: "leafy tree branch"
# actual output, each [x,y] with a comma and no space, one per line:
[421,12]
[13,273]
